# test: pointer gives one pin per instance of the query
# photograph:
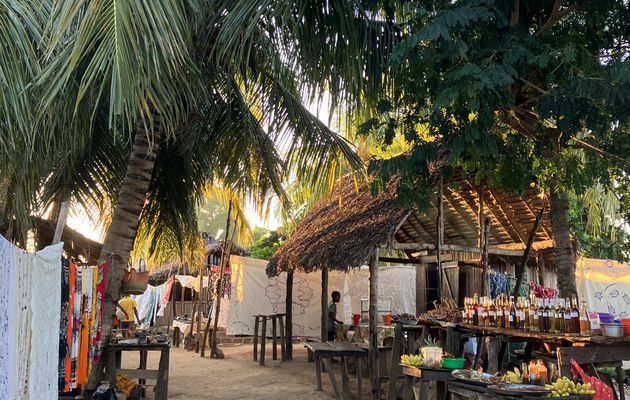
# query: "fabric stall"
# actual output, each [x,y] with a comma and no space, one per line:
[605,285]
[153,302]
[30,294]
[82,293]
[254,293]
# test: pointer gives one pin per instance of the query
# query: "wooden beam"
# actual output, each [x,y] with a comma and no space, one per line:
[289,316]
[372,328]
[494,250]
[324,304]
[485,266]
[479,194]
[400,260]
[520,230]
[539,245]
[450,199]
[521,268]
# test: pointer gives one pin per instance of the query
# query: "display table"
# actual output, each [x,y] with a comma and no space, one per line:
[323,352]
[361,334]
[114,362]
[596,349]
[425,376]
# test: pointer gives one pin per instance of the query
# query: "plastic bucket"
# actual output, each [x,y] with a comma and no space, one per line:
[626,325]
[605,318]
[356,318]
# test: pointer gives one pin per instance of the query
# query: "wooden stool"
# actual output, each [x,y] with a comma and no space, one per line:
[277,321]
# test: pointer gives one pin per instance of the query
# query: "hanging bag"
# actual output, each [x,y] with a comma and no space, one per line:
[602,391]
[136,282]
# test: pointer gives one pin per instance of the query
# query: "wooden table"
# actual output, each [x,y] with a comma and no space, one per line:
[114,361]
[277,320]
[586,350]
[323,352]
[425,375]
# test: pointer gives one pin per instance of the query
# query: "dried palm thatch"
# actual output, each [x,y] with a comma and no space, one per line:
[342,231]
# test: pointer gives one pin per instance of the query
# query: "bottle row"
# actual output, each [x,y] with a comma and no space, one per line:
[533,314]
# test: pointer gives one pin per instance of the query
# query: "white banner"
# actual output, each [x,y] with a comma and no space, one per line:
[605,285]
[254,293]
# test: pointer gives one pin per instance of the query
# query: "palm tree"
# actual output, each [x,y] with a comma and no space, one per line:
[143,104]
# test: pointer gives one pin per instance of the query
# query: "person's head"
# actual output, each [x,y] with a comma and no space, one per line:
[336,296]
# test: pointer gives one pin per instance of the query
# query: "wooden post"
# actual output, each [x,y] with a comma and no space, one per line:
[200,310]
[225,255]
[61,221]
[485,267]
[324,300]
[372,328]
[440,235]
[289,316]
[482,216]
[530,241]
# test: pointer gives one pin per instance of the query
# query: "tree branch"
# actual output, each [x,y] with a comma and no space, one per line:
[557,14]
[514,17]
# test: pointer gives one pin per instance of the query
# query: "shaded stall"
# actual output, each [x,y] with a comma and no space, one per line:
[352,228]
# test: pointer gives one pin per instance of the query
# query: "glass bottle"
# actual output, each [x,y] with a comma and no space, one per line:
[552,316]
[585,322]
[526,317]
[500,314]
[568,326]
[492,313]
[545,316]
[541,319]
[512,313]
[560,310]
[475,309]
[575,316]
[533,312]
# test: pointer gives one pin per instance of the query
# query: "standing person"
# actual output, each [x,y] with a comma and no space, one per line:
[332,316]
[129,307]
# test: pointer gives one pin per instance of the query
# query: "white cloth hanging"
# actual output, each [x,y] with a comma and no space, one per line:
[45,304]
[6,313]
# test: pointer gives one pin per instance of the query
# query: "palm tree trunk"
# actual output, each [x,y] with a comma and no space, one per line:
[564,255]
[123,229]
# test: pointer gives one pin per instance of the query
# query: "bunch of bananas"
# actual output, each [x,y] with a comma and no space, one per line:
[513,376]
[414,360]
[566,387]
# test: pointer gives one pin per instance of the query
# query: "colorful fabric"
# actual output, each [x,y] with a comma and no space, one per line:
[63,323]
[76,325]
[82,361]
[45,303]
[71,292]
[101,286]
[542,292]
[498,283]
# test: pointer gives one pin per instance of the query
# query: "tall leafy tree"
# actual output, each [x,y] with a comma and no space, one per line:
[142,105]
[511,91]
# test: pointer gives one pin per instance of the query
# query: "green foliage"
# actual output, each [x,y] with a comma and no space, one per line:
[509,95]
[266,245]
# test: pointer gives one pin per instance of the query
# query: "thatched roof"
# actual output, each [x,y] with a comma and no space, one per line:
[341,232]
[212,247]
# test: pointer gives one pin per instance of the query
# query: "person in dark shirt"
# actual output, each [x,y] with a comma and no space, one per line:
[332,316]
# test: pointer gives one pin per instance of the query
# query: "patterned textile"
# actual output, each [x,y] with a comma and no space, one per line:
[63,323]
[604,285]
[498,283]
[21,326]
[523,290]
[542,292]
[45,303]
[101,286]
[6,315]
[76,326]
[71,292]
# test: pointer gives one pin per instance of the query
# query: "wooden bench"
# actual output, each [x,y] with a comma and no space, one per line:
[324,351]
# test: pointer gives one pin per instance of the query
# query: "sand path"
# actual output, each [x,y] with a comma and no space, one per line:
[238,377]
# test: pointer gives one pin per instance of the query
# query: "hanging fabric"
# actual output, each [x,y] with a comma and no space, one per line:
[63,323]
[45,304]
[6,312]
[101,286]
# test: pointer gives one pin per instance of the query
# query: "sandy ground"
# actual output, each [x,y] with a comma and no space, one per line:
[239,377]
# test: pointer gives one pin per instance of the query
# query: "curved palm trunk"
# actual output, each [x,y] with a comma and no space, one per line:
[564,255]
[122,232]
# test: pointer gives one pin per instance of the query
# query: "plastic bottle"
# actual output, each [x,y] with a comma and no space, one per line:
[542,372]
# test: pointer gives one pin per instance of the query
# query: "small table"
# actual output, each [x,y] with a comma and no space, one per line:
[425,375]
[326,350]
[114,361]
[276,319]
